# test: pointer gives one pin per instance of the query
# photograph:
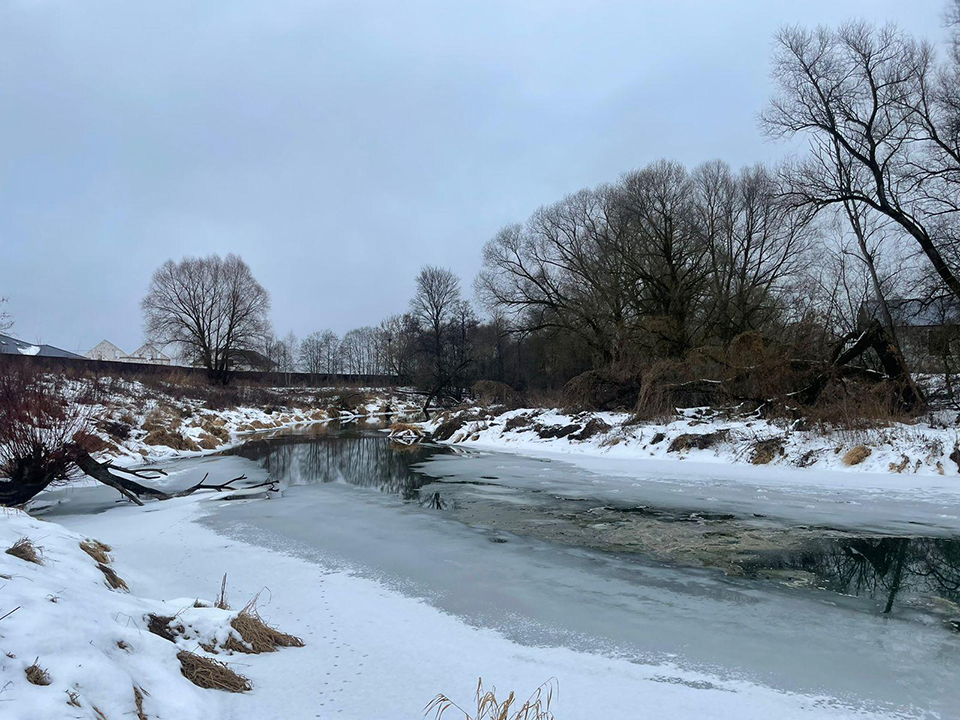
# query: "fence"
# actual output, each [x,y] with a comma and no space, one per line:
[132,370]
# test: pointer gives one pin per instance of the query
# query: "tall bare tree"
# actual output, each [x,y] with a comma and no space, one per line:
[881,117]
[208,308]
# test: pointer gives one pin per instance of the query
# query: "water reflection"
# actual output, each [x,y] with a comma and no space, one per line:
[880,567]
[370,461]
[887,569]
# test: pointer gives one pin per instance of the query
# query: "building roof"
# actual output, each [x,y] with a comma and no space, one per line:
[12,346]
[146,347]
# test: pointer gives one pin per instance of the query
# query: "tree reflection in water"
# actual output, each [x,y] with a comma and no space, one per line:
[364,460]
[880,567]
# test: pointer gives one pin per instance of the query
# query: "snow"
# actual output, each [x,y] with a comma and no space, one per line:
[65,618]
[396,604]
[628,466]
[28,349]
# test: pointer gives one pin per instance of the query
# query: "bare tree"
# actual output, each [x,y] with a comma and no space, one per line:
[6,322]
[881,118]
[758,246]
[209,308]
[563,270]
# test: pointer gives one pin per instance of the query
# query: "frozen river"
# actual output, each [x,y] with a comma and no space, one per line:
[549,554]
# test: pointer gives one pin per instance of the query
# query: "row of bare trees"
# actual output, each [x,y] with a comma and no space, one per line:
[662,261]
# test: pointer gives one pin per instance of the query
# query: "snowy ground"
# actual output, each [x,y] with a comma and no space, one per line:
[396,604]
[923,448]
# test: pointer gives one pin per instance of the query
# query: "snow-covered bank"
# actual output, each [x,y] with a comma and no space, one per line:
[74,642]
[375,653]
[666,465]
[131,423]
[702,436]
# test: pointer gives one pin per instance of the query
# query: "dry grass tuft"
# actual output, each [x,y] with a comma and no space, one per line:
[701,441]
[856,455]
[123,645]
[258,636]
[73,698]
[536,707]
[96,549]
[25,550]
[99,713]
[766,451]
[113,580]
[138,695]
[211,674]
[37,675]
[160,625]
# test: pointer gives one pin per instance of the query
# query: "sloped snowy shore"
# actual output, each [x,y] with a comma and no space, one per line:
[74,646]
[705,436]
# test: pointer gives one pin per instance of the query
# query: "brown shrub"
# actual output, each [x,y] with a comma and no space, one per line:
[536,707]
[96,549]
[170,439]
[601,390]
[117,429]
[25,550]
[491,392]
[216,427]
[448,427]
[549,432]
[702,441]
[138,695]
[211,674]
[856,406]
[92,443]
[856,455]
[37,675]
[517,422]
[594,426]
[160,625]
[209,442]
[37,425]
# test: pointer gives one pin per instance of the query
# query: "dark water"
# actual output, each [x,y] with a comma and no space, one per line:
[919,572]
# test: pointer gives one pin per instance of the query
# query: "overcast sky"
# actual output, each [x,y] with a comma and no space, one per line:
[339,146]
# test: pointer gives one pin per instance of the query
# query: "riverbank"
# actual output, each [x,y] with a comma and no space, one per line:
[914,455]
[130,422]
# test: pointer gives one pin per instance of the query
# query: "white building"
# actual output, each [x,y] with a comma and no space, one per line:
[148,354]
[105,350]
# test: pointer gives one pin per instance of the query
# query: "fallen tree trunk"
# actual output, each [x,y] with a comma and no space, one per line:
[895,368]
[14,493]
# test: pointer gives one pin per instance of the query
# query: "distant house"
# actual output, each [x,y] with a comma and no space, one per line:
[105,350]
[12,346]
[147,354]
[924,328]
